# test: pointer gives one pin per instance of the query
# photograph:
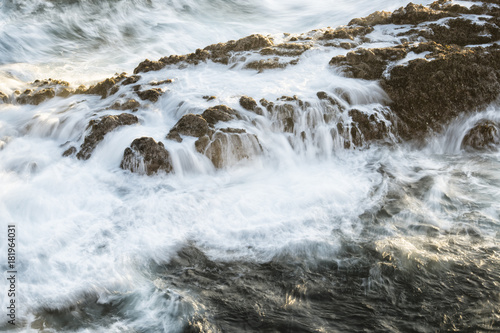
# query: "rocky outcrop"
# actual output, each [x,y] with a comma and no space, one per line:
[220,53]
[130,104]
[411,14]
[218,113]
[428,94]
[485,135]
[3,98]
[151,94]
[99,128]
[146,156]
[35,97]
[70,151]
[369,64]
[107,87]
[248,103]
[190,125]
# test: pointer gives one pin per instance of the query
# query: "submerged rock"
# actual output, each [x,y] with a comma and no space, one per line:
[228,146]
[70,151]
[145,155]
[131,104]
[191,125]
[99,128]
[4,98]
[485,135]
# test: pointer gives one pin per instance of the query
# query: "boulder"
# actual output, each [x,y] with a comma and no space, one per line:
[146,156]
[218,113]
[131,104]
[105,88]
[191,125]
[99,128]
[248,103]
[485,135]
[70,151]
[151,94]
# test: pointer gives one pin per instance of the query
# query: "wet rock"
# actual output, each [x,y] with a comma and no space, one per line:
[485,135]
[131,80]
[248,103]
[70,151]
[324,96]
[284,116]
[149,65]
[105,88]
[131,104]
[368,64]
[286,49]
[263,64]
[151,94]
[462,32]
[367,128]
[99,128]
[218,113]
[145,155]
[381,17]
[209,98]
[220,52]
[159,83]
[415,14]
[190,125]
[229,146]
[4,98]
[65,92]
[36,97]
[346,32]
[427,94]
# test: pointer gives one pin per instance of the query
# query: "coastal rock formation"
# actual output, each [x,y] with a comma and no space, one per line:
[3,98]
[218,113]
[130,104]
[485,135]
[190,125]
[248,103]
[151,94]
[107,87]
[99,128]
[35,97]
[146,156]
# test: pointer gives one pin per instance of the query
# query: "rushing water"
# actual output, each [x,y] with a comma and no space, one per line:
[307,237]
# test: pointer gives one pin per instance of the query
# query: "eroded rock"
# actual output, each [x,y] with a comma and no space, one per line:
[368,64]
[4,98]
[191,125]
[107,87]
[131,104]
[248,103]
[218,113]
[485,135]
[99,128]
[151,94]
[36,97]
[146,156]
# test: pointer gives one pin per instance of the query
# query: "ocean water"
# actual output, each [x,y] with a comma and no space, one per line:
[305,237]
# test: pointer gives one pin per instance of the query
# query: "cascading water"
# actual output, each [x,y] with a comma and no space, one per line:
[304,226]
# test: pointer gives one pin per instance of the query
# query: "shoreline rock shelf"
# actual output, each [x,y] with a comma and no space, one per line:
[446,63]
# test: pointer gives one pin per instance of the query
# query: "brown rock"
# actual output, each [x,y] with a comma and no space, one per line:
[131,79]
[485,135]
[131,104]
[372,19]
[70,151]
[99,128]
[4,98]
[427,94]
[218,113]
[145,155]
[368,64]
[189,124]
[150,94]
[35,97]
